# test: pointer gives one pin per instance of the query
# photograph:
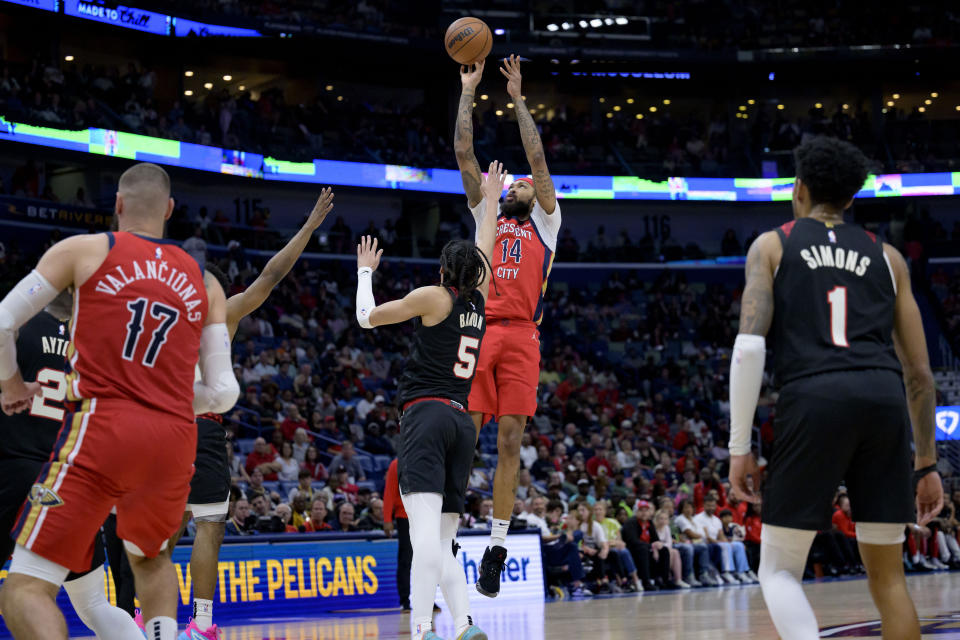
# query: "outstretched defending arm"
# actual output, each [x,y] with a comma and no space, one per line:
[463,134]
[911,345]
[249,300]
[542,182]
[487,228]
[218,389]
[748,358]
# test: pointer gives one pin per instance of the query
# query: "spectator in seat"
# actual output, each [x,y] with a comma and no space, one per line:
[686,550]
[301,511]
[528,452]
[289,467]
[680,564]
[292,422]
[543,465]
[639,534]
[262,458]
[312,464]
[847,540]
[560,552]
[583,493]
[721,549]
[304,487]
[255,488]
[372,520]
[344,488]
[693,535]
[611,527]
[735,534]
[627,458]
[241,522]
[752,526]
[301,442]
[348,460]
[237,471]
[318,517]
[596,547]
[374,442]
[265,520]
[285,513]
[344,518]
[600,459]
[708,482]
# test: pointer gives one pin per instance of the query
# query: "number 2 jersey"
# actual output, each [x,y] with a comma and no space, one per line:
[834,298]
[522,259]
[41,356]
[135,331]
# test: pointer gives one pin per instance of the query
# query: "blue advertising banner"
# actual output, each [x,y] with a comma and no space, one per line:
[54,214]
[948,423]
[119,16]
[277,580]
[46,5]
[183,27]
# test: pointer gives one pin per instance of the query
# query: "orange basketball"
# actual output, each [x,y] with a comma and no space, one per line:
[468,40]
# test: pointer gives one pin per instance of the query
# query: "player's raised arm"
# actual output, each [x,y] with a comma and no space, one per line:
[54,273]
[463,133]
[911,345]
[748,359]
[492,189]
[542,182]
[419,302]
[218,389]
[249,300]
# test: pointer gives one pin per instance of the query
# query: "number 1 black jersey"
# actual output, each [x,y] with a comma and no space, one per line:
[41,355]
[834,298]
[444,357]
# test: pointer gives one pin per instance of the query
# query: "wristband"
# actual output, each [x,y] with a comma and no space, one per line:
[919,474]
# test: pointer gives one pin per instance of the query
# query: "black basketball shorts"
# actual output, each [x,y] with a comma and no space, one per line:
[19,475]
[436,452]
[850,427]
[211,477]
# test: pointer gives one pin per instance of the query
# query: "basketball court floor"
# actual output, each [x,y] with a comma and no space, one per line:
[843,608]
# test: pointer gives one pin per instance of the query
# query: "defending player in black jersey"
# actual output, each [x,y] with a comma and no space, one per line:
[844,320]
[439,438]
[26,441]
[210,486]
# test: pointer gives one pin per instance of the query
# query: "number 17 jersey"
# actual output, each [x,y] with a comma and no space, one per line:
[834,298]
[136,324]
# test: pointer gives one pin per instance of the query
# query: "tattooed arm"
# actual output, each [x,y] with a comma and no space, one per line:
[463,135]
[542,182]
[756,304]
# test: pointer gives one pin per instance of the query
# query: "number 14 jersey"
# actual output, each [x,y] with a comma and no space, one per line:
[522,259]
[136,324]
[834,299]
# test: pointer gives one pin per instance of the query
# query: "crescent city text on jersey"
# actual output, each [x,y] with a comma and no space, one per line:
[514,228]
[820,256]
[112,283]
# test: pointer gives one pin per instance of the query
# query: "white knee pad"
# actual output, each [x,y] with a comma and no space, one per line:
[137,551]
[784,549]
[28,563]
[881,532]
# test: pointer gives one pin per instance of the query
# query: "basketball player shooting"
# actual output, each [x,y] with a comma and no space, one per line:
[210,487]
[439,439]
[143,311]
[508,370]
[848,338]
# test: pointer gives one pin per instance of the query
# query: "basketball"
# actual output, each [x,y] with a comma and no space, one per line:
[468,40]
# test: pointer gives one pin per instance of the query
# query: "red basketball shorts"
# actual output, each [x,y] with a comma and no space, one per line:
[508,370]
[110,453]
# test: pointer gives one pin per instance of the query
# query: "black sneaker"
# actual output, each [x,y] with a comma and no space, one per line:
[494,559]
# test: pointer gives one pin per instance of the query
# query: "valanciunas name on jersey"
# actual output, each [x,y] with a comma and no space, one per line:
[818,256]
[154,270]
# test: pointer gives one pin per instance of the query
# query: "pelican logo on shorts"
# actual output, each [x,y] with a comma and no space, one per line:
[947,421]
[41,496]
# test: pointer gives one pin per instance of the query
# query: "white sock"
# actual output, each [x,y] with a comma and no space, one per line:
[203,613]
[423,511]
[90,602]
[498,533]
[160,628]
[453,584]
[783,556]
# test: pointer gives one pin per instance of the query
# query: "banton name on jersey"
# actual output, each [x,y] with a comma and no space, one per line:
[836,257]
[471,319]
[153,270]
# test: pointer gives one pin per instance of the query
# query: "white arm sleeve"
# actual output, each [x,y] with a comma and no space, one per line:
[365,302]
[746,379]
[217,390]
[24,301]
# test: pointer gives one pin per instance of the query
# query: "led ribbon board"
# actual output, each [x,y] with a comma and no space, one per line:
[383,176]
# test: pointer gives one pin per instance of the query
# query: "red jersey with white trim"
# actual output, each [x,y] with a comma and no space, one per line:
[135,331]
[522,259]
